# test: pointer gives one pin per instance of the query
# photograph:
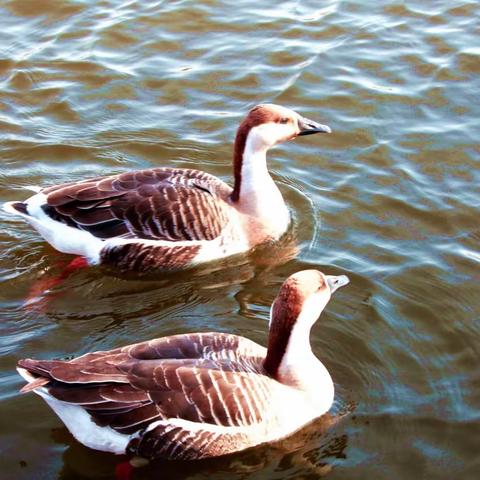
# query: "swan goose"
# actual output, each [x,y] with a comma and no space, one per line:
[198,395]
[172,218]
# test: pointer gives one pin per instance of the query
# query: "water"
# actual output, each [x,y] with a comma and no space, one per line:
[391,198]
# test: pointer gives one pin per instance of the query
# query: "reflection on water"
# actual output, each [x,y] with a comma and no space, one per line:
[390,197]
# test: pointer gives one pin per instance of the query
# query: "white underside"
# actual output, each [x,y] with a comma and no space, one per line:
[62,237]
[80,423]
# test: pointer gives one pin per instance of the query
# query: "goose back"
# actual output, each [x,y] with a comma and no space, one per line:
[155,204]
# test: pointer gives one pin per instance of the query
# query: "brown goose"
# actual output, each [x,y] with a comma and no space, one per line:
[197,395]
[172,218]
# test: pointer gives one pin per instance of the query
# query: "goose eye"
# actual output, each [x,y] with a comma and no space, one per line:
[284,120]
[321,287]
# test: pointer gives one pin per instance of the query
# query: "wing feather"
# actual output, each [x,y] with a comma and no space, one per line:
[193,377]
[175,442]
[158,204]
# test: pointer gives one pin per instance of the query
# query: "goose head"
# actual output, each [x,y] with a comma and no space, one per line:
[299,303]
[268,124]
[264,126]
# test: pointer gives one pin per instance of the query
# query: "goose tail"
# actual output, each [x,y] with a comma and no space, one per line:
[16,208]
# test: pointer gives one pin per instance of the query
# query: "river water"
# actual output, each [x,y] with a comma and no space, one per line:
[390,198]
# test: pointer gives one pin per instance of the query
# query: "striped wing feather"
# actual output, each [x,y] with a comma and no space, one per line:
[159,204]
[176,443]
[215,379]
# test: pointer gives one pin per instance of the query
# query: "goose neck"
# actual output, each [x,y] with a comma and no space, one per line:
[290,359]
[255,192]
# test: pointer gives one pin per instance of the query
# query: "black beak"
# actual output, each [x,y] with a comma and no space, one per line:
[309,127]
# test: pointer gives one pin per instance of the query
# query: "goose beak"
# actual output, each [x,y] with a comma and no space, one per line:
[309,127]
[335,282]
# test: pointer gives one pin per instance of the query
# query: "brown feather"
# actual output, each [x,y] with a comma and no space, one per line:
[285,310]
[173,443]
[159,204]
[143,258]
[39,382]
[131,386]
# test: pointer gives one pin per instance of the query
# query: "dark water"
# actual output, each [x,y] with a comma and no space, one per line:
[391,198]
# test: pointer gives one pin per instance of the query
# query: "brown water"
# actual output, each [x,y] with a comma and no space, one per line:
[391,198]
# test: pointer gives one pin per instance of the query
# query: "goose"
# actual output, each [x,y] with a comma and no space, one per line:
[172,218]
[197,395]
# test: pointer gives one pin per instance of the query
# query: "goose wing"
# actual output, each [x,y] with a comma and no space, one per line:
[212,379]
[159,204]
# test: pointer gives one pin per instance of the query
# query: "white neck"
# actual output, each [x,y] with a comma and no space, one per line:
[299,367]
[259,196]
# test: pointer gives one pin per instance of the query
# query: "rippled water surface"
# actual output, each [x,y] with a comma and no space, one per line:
[391,198]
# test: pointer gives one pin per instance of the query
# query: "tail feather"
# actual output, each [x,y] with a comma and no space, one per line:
[36,377]
[16,208]
[20,208]
[39,382]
